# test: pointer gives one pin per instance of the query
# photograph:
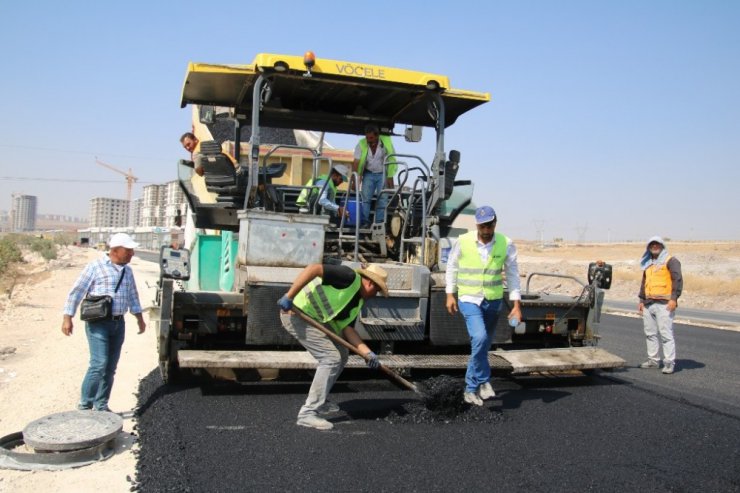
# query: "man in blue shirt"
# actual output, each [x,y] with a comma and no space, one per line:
[105,338]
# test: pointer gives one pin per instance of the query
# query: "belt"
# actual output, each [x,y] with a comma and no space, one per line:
[117,317]
[373,173]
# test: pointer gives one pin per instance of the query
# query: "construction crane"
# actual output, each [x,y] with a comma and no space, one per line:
[130,180]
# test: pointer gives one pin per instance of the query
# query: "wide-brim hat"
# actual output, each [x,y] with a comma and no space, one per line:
[376,274]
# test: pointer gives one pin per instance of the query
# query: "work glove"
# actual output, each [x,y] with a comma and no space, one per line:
[372,361]
[285,303]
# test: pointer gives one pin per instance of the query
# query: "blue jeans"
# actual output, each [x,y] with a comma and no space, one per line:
[481,322]
[372,184]
[105,340]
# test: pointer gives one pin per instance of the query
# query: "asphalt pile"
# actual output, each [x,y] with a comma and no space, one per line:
[442,402]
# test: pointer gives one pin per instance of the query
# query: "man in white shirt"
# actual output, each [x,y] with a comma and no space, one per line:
[475,270]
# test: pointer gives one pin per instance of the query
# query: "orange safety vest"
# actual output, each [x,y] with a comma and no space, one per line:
[658,284]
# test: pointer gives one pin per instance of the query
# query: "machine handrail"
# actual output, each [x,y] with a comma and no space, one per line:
[548,274]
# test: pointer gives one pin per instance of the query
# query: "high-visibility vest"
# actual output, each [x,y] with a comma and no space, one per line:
[476,279]
[312,192]
[658,283]
[387,143]
[324,303]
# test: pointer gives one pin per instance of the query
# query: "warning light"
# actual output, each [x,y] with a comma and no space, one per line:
[309,60]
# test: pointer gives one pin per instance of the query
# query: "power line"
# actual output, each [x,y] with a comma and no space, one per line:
[70,151]
[28,178]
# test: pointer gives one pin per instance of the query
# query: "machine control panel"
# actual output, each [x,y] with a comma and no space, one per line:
[174,263]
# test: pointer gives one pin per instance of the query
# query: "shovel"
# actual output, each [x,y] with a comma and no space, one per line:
[339,340]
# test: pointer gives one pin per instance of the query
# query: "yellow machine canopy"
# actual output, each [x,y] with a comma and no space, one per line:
[328,95]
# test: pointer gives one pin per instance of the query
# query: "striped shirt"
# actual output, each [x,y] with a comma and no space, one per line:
[100,277]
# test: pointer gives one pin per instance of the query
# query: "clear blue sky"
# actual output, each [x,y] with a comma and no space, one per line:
[620,119]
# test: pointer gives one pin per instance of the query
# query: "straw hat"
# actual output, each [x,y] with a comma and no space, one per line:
[376,274]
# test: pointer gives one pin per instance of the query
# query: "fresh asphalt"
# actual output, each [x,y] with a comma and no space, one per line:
[625,430]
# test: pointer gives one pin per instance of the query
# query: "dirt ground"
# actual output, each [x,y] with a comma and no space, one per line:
[710,270]
[41,370]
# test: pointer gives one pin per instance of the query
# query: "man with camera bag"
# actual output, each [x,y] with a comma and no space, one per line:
[104,277]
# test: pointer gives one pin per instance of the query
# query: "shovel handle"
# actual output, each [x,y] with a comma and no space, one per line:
[340,340]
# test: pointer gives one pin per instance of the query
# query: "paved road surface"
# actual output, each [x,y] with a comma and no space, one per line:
[686,314]
[631,430]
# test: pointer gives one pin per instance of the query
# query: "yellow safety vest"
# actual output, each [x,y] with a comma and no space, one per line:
[309,190]
[658,283]
[476,279]
[385,141]
[324,303]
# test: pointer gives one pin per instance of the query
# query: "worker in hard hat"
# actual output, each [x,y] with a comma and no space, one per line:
[327,198]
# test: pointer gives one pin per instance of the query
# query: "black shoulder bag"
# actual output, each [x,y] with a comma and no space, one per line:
[99,308]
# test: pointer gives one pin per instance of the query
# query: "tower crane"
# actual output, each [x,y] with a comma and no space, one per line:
[130,180]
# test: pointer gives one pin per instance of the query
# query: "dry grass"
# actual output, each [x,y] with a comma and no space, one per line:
[711,286]
[711,270]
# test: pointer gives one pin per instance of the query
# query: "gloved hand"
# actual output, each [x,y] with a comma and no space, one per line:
[285,303]
[372,361]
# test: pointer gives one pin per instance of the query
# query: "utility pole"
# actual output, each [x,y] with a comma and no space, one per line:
[581,230]
[539,226]
[130,180]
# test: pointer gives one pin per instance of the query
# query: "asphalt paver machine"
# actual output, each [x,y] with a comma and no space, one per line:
[249,238]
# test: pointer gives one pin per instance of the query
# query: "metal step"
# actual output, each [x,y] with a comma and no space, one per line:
[524,361]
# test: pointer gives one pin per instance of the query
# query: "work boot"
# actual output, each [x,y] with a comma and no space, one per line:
[313,421]
[650,364]
[472,398]
[485,391]
[328,407]
[668,368]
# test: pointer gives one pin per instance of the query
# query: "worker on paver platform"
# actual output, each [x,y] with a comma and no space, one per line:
[370,154]
[327,199]
[475,268]
[332,295]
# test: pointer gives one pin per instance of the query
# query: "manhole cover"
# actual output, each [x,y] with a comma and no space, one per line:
[72,430]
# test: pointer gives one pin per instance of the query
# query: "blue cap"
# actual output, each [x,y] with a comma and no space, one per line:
[484,214]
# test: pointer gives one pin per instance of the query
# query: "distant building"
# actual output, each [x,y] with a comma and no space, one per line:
[4,220]
[46,222]
[136,211]
[109,213]
[23,214]
[161,205]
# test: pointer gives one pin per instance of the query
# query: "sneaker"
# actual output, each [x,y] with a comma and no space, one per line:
[312,421]
[328,407]
[82,407]
[650,364]
[472,398]
[105,409]
[485,391]
[669,368]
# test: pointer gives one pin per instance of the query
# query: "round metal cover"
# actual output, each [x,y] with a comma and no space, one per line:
[72,430]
